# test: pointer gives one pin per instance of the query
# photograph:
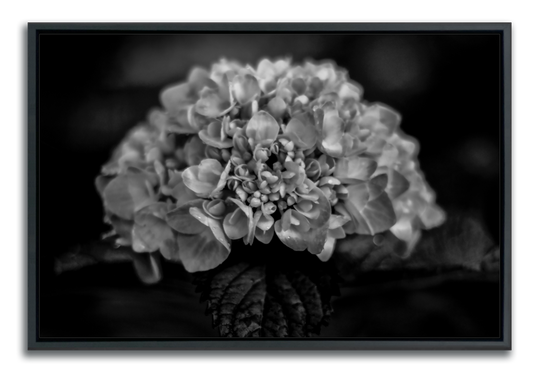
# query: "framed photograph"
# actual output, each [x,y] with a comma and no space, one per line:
[269,186]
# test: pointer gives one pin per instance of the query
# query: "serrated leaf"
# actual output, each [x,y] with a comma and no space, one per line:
[460,243]
[274,322]
[252,294]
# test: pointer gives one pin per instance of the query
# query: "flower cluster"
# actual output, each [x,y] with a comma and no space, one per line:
[256,153]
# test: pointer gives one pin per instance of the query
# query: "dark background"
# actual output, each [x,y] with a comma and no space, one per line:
[93,88]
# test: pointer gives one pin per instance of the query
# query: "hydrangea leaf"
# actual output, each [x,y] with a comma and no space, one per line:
[263,298]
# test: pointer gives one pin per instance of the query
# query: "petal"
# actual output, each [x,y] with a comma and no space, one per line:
[397,184]
[329,246]
[302,135]
[177,189]
[210,104]
[380,119]
[332,128]
[181,220]
[203,179]
[432,216]
[214,141]
[320,213]
[262,127]
[175,97]
[249,214]
[290,237]
[264,236]
[191,181]
[336,221]
[213,224]
[235,224]
[245,88]
[359,168]
[150,230]
[101,183]
[201,252]
[148,267]
[374,216]
[277,107]
[199,78]
[263,221]
[122,228]
[316,239]
[127,193]
[223,179]
[194,151]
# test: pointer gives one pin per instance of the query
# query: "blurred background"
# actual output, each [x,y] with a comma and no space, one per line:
[94,87]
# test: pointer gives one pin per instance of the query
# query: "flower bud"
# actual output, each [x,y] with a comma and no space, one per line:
[277,107]
[255,202]
[225,155]
[273,197]
[291,201]
[216,208]
[269,208]
[213,153]
[249,187]
[312,169]
[261,154]
[233,183]
[243,196]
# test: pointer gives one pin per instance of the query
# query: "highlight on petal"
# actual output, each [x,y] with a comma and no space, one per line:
[329,247]
[202,251]
[354,167]
[332,133]
[262,127]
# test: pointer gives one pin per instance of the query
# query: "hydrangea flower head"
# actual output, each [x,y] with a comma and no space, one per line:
[280,150]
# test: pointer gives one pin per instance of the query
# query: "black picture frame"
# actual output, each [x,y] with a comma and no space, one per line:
[29,352]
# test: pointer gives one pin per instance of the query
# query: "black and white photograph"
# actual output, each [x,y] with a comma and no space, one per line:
[247,185]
